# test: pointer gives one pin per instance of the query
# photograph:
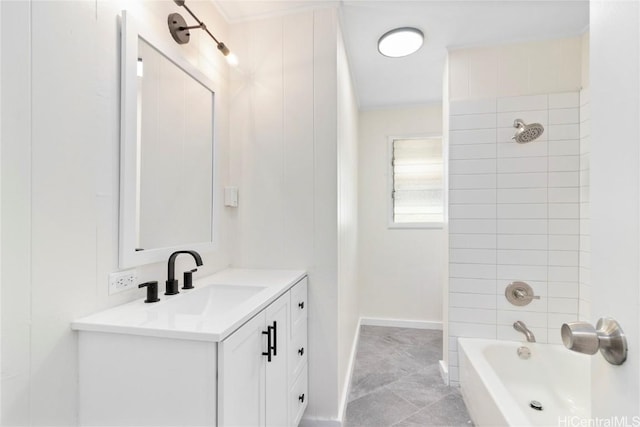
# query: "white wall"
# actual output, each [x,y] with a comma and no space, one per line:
[16,211]
[446,111]
[401,270]
[292,132]
[0,211]
[615,198]
[60,174]
[348,296]
[514,209]
[517,69]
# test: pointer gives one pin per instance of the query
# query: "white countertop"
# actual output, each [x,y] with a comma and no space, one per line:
[209,312]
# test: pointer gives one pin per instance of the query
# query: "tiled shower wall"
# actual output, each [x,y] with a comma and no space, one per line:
[514,214]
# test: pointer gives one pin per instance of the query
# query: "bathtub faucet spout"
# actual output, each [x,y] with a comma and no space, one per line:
[521,327]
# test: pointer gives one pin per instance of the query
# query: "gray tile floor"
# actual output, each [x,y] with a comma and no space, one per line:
[396,381]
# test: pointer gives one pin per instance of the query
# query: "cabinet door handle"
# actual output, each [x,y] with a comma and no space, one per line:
[268,334]
[301,305]
[275,338]
[301,351]
[301,398]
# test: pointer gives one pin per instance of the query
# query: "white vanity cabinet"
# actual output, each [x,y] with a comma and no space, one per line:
[273,391]
[250,372]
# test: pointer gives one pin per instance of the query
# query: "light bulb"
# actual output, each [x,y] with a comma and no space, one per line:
[232,59]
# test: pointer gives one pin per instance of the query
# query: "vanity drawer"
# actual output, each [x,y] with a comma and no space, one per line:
[299,302]
[298,396]
[298,349]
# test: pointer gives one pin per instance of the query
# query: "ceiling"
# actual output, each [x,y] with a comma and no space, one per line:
[418,78]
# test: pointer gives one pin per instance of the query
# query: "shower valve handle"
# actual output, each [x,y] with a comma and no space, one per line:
[520,293]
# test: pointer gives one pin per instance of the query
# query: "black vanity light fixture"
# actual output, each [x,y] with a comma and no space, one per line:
[180,32]
[400,42]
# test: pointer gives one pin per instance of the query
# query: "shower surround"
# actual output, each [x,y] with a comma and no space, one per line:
[514,215]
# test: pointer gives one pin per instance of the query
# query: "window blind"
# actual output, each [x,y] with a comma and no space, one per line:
[417,180]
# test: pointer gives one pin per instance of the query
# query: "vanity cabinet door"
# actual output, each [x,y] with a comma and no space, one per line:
[241,375]
[254,380]
[277,369]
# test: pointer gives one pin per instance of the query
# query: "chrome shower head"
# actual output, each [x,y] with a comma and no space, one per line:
[526,133]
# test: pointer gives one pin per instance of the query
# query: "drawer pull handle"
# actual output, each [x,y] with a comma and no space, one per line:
[269,343]
[274,347]
[301,398]
[301,351]
[301,305]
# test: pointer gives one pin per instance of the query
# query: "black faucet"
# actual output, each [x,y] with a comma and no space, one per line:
[172,283]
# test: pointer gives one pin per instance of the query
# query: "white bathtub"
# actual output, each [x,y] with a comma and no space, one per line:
[497,386]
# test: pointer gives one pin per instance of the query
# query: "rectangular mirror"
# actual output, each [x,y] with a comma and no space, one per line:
[175,146]
[167,150]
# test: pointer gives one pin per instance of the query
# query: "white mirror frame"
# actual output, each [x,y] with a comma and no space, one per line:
[131,30]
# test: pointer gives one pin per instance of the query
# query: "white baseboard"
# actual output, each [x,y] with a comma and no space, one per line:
[444,371]
[319,422]
[347,384]
[401,323]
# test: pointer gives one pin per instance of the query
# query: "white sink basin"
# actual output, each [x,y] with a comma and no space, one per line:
[218,305]
[212,300]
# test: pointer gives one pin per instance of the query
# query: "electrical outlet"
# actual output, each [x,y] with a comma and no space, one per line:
[122,281]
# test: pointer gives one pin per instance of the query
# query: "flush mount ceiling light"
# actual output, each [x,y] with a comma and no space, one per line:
[400,42]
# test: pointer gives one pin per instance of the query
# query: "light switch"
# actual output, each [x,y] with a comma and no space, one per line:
[231,196]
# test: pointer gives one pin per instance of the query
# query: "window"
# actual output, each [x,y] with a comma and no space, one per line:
[417,182]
